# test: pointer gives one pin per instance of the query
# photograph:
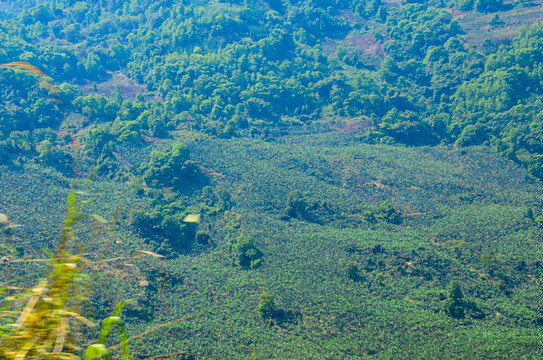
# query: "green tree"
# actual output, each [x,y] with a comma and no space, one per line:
[453,304]
[171,168]
[93,66]
[464,5]
[297,205]
[266,306]
[454,291]
[352,271]
[487,5]
[388,213]
[530,214]
[245,253]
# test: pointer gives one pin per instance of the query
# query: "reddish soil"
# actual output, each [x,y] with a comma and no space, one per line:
[149,139]
[367,44]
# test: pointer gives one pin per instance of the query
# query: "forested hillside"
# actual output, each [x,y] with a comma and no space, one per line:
[145,69]
[367,172]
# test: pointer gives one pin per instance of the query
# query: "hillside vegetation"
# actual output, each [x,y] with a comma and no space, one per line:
[316,179]
[347,281]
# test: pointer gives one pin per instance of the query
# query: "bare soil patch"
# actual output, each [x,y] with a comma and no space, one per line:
[128,87]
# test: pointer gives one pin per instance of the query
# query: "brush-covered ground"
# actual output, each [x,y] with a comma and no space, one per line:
[367,172]
[448,214]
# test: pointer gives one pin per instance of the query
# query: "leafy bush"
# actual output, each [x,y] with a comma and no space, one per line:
[297,205]
[384,212]
[352,271]
[162,227]
[245,253]
[479,5]
[203,238]
[172,168]
[456,307]
[266,305]
[453,304]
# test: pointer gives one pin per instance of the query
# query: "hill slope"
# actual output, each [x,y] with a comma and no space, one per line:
[463,217]
[367,172]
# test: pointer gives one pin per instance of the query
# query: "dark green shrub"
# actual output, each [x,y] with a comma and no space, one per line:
[501,285]
[266,306]
[530,214]
[388,213]
[454,291]
[245,253]
[456,307]
[352,271]
[203,238]
[163,228]
[487,5]
[453,309]
[172,168]
[453,304]
[297,205]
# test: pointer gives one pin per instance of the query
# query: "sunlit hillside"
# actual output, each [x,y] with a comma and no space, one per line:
[342,179]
